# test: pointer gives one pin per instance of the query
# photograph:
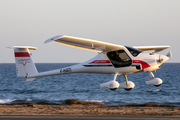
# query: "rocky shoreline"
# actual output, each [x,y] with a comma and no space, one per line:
[75,107]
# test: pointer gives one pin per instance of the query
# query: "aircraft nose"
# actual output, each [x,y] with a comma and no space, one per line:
[163,58]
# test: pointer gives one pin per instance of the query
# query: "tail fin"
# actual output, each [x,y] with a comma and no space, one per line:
[24,63]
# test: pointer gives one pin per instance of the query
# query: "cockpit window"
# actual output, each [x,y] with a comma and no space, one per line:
[119,58]
[133,51]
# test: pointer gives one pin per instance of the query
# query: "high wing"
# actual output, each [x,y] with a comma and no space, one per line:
[149,48]
[86,44]
[97,46]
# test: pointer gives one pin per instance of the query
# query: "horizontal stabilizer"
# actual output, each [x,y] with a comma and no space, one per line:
[24,47]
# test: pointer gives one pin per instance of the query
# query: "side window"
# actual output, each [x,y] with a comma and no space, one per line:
[119,58]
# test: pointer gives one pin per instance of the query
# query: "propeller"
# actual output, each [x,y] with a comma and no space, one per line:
[169,54]
[163,58]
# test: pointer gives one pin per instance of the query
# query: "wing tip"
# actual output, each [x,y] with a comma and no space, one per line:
[53,38]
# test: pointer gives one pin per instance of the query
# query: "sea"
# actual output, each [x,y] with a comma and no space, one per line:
[85,86]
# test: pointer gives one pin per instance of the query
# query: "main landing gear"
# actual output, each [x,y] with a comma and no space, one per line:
[127,89]
[115,76]
[128,85]
[113,84]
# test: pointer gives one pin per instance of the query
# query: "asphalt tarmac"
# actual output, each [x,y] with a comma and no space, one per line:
[83,117]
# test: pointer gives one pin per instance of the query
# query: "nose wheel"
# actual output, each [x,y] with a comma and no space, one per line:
[155,81]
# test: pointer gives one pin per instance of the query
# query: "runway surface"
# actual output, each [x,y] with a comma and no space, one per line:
[82,117]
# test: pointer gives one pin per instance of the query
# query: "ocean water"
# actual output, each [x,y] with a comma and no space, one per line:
[85,86]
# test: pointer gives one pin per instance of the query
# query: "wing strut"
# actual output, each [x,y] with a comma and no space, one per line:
[92,45]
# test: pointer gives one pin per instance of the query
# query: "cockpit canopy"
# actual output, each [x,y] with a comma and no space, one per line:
[119,58]
[135,52]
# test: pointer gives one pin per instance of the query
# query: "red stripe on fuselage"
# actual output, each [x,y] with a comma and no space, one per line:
[21,54]
[143,64]
[100,62]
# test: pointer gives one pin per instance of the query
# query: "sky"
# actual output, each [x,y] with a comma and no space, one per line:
[122,22]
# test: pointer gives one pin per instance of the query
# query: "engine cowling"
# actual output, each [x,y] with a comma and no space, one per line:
[127,86]
[112,85]
[153,68]
[156,81]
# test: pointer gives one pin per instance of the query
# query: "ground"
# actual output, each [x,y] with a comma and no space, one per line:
[74,107]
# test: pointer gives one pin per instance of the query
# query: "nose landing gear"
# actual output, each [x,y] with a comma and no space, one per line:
[155,81]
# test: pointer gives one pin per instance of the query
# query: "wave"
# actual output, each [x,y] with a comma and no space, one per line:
[157,90]
[6,101]
[99,101]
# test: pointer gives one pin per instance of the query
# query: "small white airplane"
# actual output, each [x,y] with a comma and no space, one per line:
[111,59]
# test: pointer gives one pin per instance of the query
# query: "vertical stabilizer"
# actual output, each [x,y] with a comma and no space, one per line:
[24,63]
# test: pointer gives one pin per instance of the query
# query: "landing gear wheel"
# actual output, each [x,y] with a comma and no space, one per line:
[157,85]
[113,89]
[128,89]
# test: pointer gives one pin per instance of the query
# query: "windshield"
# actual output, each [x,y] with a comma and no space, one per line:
[135,52]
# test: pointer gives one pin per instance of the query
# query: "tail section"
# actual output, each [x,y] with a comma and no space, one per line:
[24,63]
